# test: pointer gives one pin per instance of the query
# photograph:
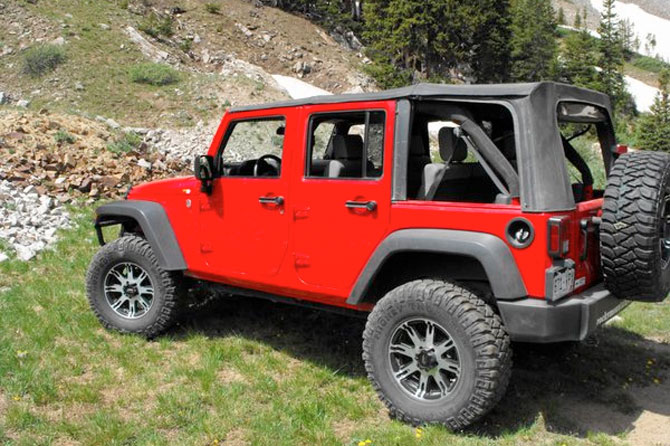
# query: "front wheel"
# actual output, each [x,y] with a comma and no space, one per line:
[128,290]
[436,353]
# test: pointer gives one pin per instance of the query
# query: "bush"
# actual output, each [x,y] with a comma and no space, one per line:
[126,143]
[62,136]
[41,59]
[156,26]
[212,8]
[153,74]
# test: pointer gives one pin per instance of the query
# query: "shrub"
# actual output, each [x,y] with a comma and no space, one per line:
[155,26]
[212,8]
[185,45]
[153,74]
[62,136]
[126,143]
[41,59]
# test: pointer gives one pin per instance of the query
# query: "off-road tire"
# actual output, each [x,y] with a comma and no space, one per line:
[484,348]
[632,227]
[167,287]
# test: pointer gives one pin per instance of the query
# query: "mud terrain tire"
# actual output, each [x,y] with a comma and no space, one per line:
[482,350]
[112,268]
[635,228]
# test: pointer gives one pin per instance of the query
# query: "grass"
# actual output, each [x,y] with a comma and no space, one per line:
[647,63]
[63,137]
[239,371]
[125,143]
[157,26]
[212,8]
[153,74]
[41,59]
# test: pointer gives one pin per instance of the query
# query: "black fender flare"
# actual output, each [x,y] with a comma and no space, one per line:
[491,251]
[153,220]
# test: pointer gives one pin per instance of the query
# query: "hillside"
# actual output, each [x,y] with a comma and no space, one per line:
[222,58]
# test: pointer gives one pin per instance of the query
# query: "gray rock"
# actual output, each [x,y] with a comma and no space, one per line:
[112,123]
[4,98]
[60,41]
[3,256]
[78,86]
[23,103]
[144,163]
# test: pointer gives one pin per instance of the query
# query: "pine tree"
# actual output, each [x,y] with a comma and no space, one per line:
[577,56]
[654,128]
[411,40]
[533,42]
[561,16]
[578,20]
[611,57]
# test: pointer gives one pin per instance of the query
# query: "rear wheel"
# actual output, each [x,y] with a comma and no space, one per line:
[436,353]
[635,228]
[129,291]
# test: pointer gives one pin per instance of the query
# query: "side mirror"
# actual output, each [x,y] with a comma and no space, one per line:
[203,168]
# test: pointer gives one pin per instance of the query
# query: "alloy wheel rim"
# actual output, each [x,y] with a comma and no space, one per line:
[129,291]
[424,358]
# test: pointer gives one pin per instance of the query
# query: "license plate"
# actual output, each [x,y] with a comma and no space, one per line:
[564,282]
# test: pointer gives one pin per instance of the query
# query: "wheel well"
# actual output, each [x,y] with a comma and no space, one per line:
[403,267]
[128,224]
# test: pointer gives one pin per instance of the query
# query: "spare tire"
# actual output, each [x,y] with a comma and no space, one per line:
[635,228]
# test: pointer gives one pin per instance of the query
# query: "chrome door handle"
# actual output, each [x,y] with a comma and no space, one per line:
[367,205]
[278,201]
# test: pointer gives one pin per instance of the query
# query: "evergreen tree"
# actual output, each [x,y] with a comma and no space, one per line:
[561,16]
[533,42]
[578,20]
[577,56]
[611,57]
[411,40]
[654,128]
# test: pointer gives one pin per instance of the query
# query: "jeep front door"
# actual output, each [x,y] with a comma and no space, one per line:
[243,222]
[342,201]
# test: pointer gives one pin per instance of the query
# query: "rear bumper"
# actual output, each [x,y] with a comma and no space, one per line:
[569,319]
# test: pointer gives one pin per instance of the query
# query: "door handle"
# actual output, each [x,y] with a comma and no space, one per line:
[278,201]
[367,205]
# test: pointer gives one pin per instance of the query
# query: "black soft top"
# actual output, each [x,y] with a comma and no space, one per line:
[436,91]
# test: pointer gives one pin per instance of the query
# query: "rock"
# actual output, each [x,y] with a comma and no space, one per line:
[146,47]
[112,123]
[144,164]
[4,98]
[244,30]
[197,39]
[60,41]
[23,103]
[3,256]
[104,26]
[78,86]
[24,253]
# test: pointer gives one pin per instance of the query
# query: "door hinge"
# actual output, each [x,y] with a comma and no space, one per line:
[301,260]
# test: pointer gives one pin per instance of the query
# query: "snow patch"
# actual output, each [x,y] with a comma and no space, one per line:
[644,24]
[643,94]
[298,89]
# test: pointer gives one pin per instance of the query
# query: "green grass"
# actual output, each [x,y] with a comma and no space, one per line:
[239,371]
[153,74]
[126,142]
[157,26]
[647,63]
[63,137]
[41,59]
[212,8]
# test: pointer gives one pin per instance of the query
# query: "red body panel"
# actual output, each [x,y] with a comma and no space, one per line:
[312,247]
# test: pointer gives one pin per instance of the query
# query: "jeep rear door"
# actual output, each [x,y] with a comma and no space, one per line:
[343,194]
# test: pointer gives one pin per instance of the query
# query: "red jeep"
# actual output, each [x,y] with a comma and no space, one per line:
[456,218]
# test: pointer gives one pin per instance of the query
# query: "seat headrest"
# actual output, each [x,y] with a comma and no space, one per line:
[452,148]
[347,147]
[416,147]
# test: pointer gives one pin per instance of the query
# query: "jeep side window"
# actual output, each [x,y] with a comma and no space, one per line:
[346,145]
[253,148]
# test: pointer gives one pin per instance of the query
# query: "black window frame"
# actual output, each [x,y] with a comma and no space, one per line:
[310,146]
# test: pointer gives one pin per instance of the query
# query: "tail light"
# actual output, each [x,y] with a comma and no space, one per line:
[558,237]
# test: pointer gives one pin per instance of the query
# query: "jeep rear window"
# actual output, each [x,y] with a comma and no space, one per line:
[435,135]
[582,127]
[346,145]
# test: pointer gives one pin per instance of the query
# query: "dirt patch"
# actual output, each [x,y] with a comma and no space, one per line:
[236,437]
[343,429]
[3,404]
[228,375]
